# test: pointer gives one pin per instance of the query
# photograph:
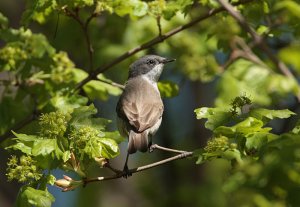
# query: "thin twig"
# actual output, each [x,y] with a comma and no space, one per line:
[18,126]
[152,42]
[182,155]
[112,83]
[258,39]
[84,26]
[155,146]
[159,25]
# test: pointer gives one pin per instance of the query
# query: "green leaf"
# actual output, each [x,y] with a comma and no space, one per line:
[291,6]
[110,148]
[140,9]
[296,129]
[67,103]
[115,135]
[82,116]
[289,55]
[215,116]
[267,114]
[24,143]
[245,127]
[29,197]
[168,89]
[44,147]
[51,179]
[66,156]
[3,21]
[175,6]
[245,77]
[258,139]
[100,90]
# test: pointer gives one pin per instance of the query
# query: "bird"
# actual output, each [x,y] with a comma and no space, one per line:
[140,107]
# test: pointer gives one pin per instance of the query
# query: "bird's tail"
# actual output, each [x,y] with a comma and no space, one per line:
[138,141]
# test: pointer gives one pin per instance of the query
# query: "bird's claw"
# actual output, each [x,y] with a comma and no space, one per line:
[126,172]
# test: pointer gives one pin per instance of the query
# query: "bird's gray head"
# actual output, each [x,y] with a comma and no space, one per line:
[149,66]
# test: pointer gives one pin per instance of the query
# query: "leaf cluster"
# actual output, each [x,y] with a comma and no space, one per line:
[70,140]
[262,163]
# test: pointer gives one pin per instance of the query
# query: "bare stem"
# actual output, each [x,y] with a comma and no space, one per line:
[112,83]
[159,25]
[155,146]
[182,155]
[84,26]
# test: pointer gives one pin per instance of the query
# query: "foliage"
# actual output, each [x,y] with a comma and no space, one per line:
[55,126]
[264,165]
[72,141]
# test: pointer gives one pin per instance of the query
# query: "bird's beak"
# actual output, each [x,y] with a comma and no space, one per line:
[164,61]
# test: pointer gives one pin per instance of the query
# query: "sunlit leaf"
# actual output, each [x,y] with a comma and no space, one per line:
[215,116]
[168,89]
[29,197]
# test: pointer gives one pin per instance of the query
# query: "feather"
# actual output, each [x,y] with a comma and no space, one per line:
[138,141]
[141,111]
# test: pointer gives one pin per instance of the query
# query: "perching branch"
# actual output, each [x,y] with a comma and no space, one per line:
[258,39]
[152,42]
[67,183]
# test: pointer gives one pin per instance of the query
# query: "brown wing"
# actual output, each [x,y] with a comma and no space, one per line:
[142,107]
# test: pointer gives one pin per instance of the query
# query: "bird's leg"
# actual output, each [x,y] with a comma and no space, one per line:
[126,172]
[107,165]
[156,146]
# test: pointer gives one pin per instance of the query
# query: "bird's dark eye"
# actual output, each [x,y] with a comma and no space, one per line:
[150,62]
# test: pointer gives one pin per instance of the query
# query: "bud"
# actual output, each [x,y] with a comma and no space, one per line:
[101,161]
[67,184]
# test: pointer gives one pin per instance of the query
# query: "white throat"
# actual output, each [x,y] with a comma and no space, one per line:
[154,74]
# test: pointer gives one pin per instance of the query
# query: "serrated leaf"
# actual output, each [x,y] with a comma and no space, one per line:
[100,90]
[24,143]
[115,135]
[66,156]
[140,9]
[82,116]
[262,114]
[44,147]
[215,116]
[110,148]
[168,89]
[29,197]
[245,127]
[258,139]
[245,77]
[67,103]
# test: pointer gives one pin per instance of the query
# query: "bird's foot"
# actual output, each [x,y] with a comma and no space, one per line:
[126,172]
[152,147]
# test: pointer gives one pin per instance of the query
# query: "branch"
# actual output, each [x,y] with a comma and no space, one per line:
[84,26]
[153,42]
[18,126]
[258,40]
[112,83]
[182,155]
[67,183]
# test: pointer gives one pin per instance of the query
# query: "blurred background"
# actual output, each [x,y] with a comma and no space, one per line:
[201,75]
